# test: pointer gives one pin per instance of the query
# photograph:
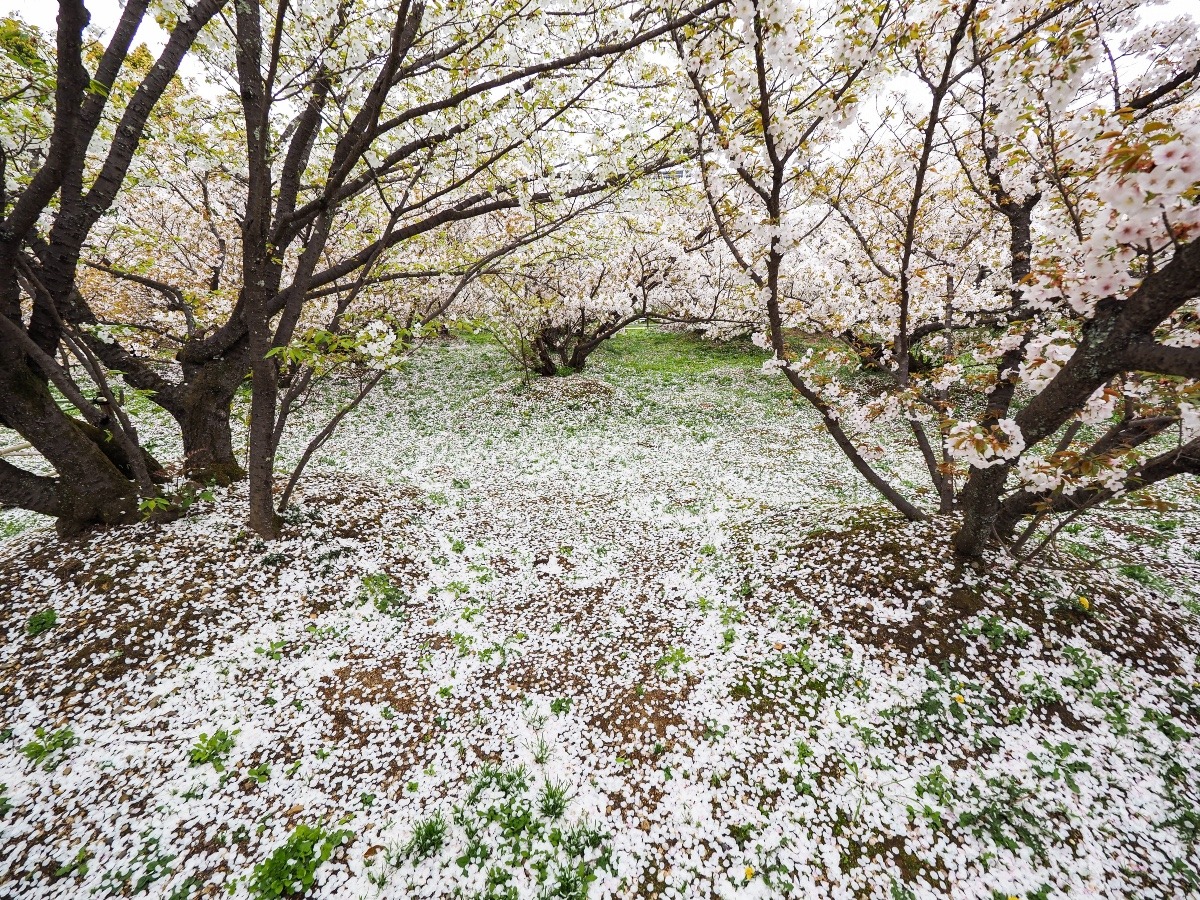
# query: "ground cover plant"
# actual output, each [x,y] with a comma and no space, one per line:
[637,632]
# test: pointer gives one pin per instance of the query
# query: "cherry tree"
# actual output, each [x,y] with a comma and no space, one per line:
[773,83]
[341,131]
[1105,324]
[557,302]
[1025,189]
[79,112]
[492,126]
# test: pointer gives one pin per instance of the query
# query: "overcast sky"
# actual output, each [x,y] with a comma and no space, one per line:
[105,13]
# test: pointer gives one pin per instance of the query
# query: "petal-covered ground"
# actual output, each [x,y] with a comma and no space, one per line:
[637,633]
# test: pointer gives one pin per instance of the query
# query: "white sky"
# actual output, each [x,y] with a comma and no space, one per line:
[43,14]
[105,13]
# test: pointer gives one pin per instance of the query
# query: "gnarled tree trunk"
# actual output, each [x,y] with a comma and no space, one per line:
[90,488]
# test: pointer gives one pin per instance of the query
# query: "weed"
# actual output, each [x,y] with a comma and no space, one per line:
[560,705]
[1039,692]
[214,749]
[742,834]
[152,864]
[1138,573]
[506,781]
[41,622]
[185,888]
[1166,725]
[934,784]
[273,651]
[148,506]
[1079,604]
[77,865]
[674,659]
[292,868]
[1087,673]
[997,632]
[427,839]
[553,800]
[377,589]
[499,650]
[260,773]
[798,659]
[731,615]
[49,748]
[1001,816]
[1116,710]
[505,830]
[947,705]
[1059,764]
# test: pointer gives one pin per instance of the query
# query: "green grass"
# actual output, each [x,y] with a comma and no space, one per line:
[650,350]
[16,522]
[471,334]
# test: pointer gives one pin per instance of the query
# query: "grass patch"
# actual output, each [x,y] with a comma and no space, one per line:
[650,350]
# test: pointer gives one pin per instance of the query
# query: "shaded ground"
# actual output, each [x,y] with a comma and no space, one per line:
[640,633]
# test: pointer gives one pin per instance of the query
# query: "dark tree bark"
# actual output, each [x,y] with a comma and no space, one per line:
[90,487]
[1112,343]
[203,409]
[564,349]
[97,474]
[979,499]
[200,401]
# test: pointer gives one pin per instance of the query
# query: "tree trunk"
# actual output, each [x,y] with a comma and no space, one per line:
[979,499]
[579,356]
[202,407]
[980,505]
[90,488]
[264,393]
[118,457]
[208,441]
[542,362]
